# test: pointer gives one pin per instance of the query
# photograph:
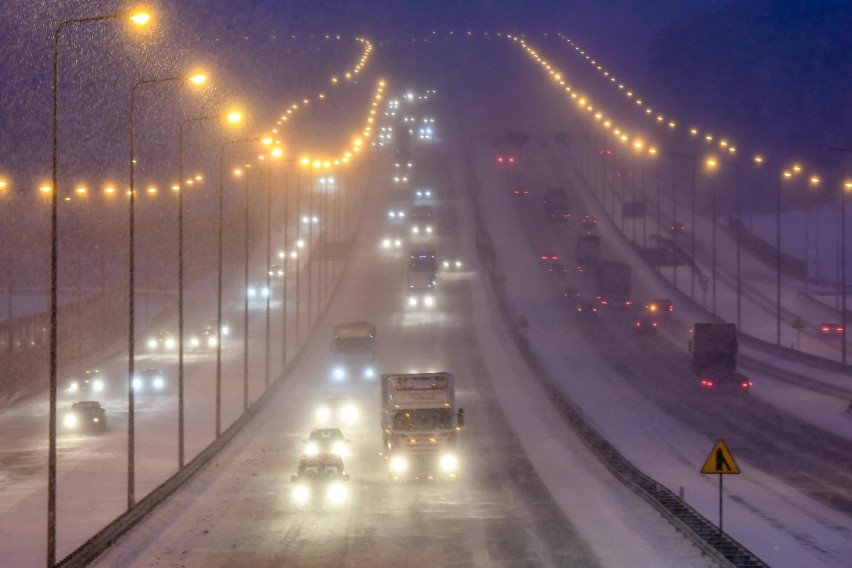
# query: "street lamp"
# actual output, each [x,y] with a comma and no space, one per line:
[219,227]
[231,117]
[847,188]
[195,79]
[712,164]
[139,18]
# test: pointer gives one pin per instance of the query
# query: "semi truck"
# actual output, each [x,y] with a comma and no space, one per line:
[353,349]
[714,348]
[613,284]
[420,425]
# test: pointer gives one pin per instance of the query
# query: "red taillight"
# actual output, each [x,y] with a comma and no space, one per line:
[511,159]
[671,308]
[628,302]
[839,330]
[745,383]
[654,324]
[825,329]
[500,160]
[707,383]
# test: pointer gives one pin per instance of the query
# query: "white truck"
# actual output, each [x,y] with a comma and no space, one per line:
[420,425]
[354,351]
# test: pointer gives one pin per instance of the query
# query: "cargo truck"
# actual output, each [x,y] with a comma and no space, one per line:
[613,284]
[714,348]
[354,351]
[420,425]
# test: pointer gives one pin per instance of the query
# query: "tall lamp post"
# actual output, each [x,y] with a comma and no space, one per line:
[232,117]
[196,79]
[847,188]
[139,18]
[219,230]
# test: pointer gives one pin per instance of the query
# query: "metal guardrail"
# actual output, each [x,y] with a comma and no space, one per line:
[719,545]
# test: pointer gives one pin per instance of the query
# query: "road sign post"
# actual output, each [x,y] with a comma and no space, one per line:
[720,462]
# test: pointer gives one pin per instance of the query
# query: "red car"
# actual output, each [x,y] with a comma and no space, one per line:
[828,329]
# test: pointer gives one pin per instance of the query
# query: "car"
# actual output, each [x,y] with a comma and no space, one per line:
[390,242]
[829,329]
[396,213]
[521,192]
[320,480]
[588,222]
[91,383]
[336,410]
[163,341]
[586,310]
[677,228]
[506,160]
[149,381]
[326,441]
[403,164]
[557,212]
[276,271]
[86,416]
[645,325]
[551,265]
[570,294]
[554,195]
[257,290]
[400,179]
[423,194]
[452,264]
[207,337]
[421,220]
[659,307]
[583,267]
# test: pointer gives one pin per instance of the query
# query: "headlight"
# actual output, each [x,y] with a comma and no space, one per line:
[340,449]
[336,493]
[348,414]
[429,229]
[339,373]
[265,292]
[137,383]
[159,383]
[226,329]
[312,449]
[429,301]
[301,494]
[398,464]
[386,243]
[152,343]
[323,414]
[392,214]
[458,264]
[251,292]
[171,343]
[73,387]
[194,342]
[412,301]
[449,463]
[70,420]
[397,243]
[415,230]
[402,213]
[211,342]
[369,373]
[97,385]
[446,264]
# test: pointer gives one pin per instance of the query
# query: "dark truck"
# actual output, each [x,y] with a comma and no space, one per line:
[587,251]
[714,349]
[613,284]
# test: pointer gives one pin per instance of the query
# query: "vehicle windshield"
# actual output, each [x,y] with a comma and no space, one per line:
[353,345]
[424,419]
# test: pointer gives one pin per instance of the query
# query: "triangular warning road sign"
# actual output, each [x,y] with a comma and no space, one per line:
[720,460]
